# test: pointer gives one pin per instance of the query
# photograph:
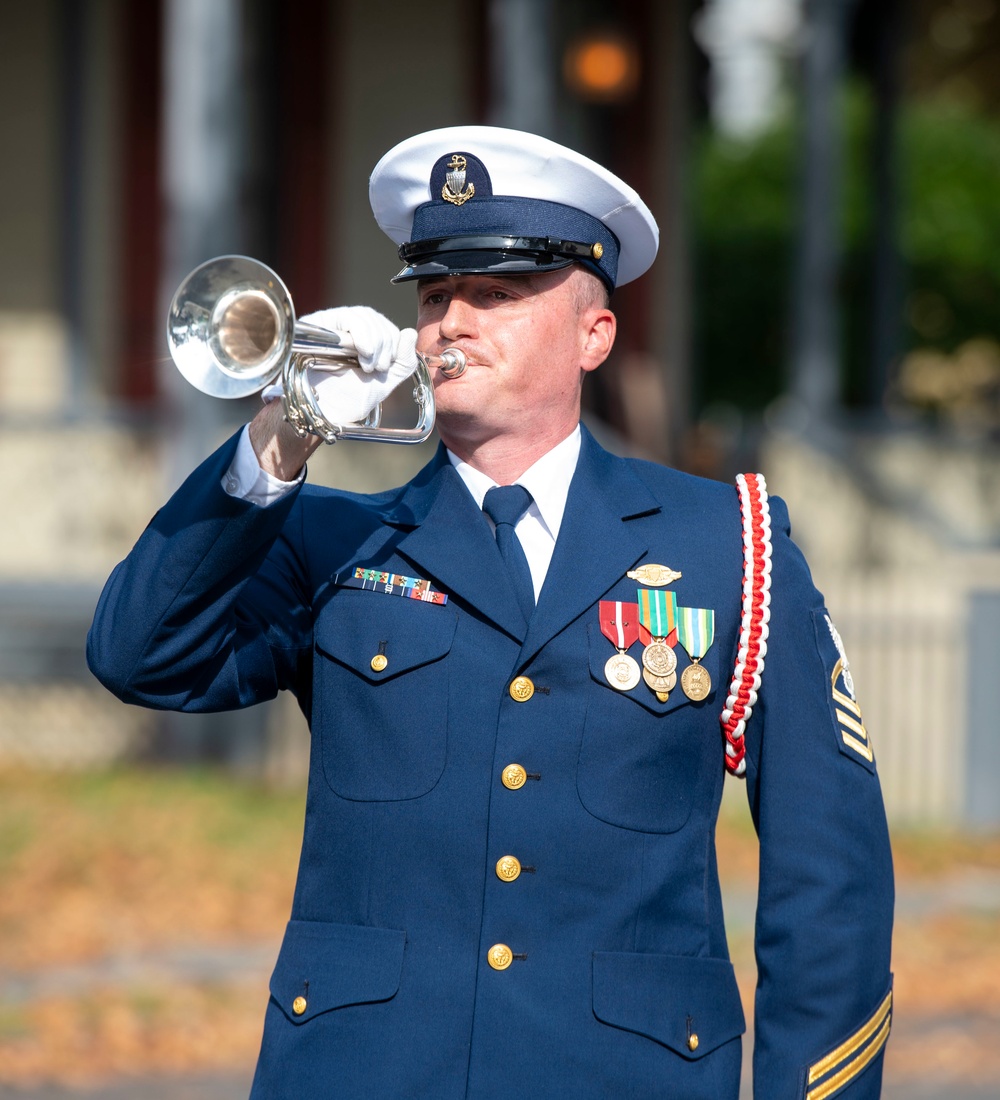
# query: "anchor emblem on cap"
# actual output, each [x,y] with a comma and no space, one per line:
[455,190]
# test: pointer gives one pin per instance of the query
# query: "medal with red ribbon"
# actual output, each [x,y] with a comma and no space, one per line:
[658,624]
[620,625]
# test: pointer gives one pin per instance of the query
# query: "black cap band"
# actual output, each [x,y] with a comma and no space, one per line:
[501,254]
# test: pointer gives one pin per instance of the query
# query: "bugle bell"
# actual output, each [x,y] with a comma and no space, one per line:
[231,331]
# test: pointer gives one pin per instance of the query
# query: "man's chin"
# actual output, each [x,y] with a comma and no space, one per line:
[457,400]
[463,423]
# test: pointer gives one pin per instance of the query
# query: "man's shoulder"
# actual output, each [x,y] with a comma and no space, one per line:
[668,479]
[382,504]
[674,488]
[326,498]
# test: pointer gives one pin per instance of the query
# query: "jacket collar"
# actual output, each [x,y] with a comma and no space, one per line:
[601,537]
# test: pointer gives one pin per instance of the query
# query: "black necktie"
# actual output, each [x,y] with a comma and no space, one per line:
[505,504]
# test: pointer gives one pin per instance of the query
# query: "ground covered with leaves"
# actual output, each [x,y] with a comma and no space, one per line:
[139,915]
[141,911]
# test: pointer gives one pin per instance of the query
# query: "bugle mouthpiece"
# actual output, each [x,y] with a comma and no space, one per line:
[451,362]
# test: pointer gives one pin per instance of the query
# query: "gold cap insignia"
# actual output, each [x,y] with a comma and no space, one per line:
[455,189]
[655,575]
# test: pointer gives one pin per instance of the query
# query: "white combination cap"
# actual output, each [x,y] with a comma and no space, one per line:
[470,200]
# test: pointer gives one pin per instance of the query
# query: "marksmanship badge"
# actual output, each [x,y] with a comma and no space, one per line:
[652,574]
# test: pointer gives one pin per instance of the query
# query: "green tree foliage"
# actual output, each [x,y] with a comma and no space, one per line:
[745,209]
[950,228]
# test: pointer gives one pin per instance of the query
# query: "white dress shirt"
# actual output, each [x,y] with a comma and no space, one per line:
[547,481]
[247,480]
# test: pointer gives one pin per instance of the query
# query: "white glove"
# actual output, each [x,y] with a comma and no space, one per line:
[386,355]
[379,344]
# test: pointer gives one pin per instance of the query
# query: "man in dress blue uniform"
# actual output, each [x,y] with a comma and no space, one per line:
[526,674]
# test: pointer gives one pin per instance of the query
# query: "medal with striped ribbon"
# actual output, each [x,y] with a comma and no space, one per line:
[696,632]
[620,625]
[658,618]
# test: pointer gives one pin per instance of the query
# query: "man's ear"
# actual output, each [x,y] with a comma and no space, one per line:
[600,327]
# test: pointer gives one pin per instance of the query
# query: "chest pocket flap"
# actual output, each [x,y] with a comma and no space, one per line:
[325,966]
[357,628]
[381,694]
[689,1004]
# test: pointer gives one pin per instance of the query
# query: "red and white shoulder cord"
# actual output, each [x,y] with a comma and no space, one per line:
[754,620]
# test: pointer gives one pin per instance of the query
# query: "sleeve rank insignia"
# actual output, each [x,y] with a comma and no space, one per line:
[846,708]
[834,1071]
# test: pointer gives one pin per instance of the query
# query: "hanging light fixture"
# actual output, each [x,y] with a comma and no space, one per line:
[602,66]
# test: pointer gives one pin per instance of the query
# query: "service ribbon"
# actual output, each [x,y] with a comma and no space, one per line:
[657,611]
[620,623]
[391,584]
[696,630]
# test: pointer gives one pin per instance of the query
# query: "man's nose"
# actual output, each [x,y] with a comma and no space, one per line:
[459,320]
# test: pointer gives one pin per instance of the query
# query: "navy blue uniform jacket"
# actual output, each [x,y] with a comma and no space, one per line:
[621,985]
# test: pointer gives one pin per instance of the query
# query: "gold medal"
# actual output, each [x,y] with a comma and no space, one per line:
[659,658]
[622,671]
[659,683]
[657,616]
[695,632]
[655,575]
[696,683]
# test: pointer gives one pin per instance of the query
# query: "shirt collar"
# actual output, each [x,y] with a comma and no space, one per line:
[547,480]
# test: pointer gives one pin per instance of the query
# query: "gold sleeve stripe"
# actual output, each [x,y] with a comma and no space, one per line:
[858,746]
[852,1069]
[852,1055]
[854,727]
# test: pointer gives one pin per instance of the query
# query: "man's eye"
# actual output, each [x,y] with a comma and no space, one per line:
[433,299]
[499,295]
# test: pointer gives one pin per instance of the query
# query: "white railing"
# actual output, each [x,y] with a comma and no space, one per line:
[905,635]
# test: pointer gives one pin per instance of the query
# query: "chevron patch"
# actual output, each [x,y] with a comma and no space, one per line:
[838,1068]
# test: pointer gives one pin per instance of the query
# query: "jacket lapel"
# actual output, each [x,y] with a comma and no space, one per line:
[602,536]
[451,543]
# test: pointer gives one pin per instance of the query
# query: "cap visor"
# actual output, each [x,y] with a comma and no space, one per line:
[481,263]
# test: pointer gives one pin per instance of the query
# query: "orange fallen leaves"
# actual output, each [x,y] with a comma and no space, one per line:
[105,1034]
[147,865]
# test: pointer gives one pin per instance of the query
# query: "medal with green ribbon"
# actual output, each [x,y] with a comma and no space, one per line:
[696,632]
[658,615]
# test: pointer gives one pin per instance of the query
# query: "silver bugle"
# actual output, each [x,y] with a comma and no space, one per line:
[231,331]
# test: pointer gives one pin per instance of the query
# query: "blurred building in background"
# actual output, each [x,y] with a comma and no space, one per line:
[824,307]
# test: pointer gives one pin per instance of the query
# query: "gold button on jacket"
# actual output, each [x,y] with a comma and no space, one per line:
[521,689]
[514,776]
[508,868]
[299,1005]
[500,956]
